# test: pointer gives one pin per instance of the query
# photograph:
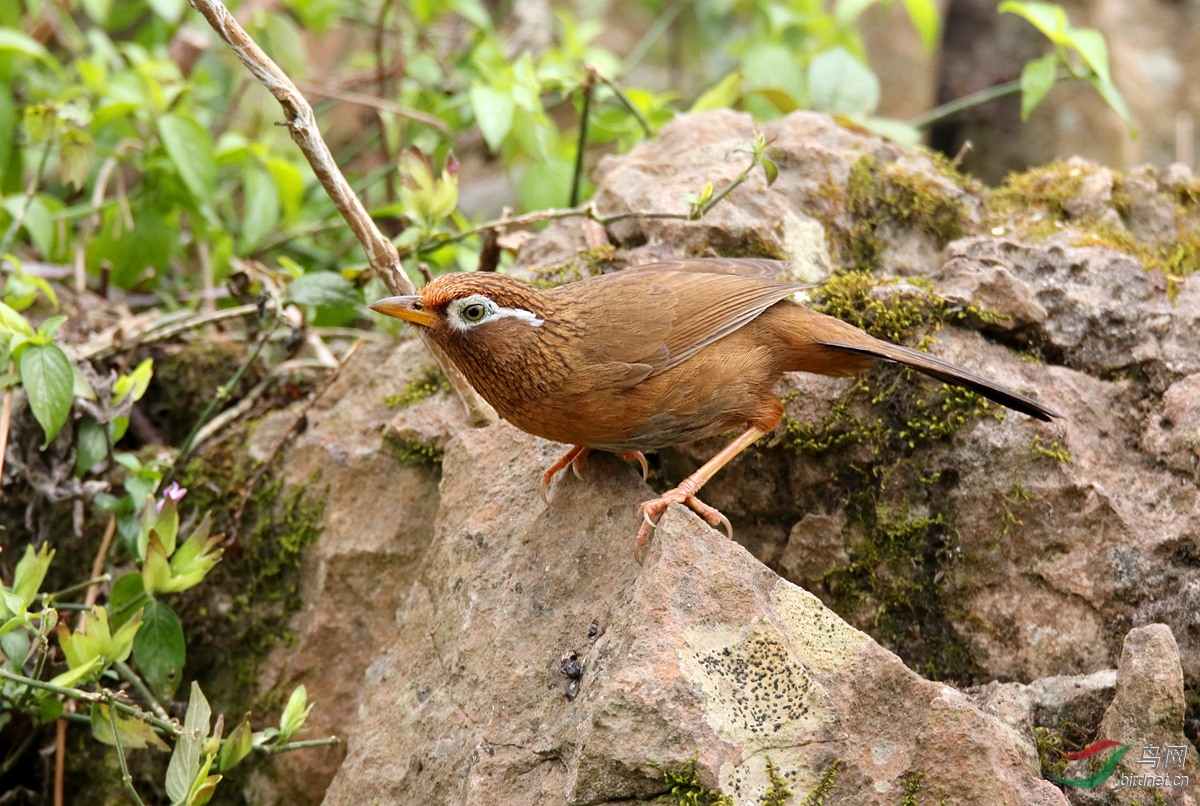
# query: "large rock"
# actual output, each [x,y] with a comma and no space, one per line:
[699,652]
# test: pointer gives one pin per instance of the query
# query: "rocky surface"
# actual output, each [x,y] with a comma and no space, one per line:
[493,649]
[702,651]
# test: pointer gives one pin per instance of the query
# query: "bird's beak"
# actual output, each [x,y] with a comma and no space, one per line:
[405,308]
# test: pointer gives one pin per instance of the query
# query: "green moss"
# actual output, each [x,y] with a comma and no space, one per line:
[896,585]
[1036,204]
[824,788]
[433,382]
[903,548]
[684,787]
[589,263]
[878,193]
[1052,451]
[1013,502]
[412,451]
[1046,189]
[243,609]
[912,786]
[902,412]
[1051,760]
[779,793]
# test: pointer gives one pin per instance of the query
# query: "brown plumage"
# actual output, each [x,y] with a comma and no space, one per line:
[653,356]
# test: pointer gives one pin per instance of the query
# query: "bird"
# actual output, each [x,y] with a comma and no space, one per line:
[653,356]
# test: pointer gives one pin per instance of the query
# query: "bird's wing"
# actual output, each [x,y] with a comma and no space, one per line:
[680,308]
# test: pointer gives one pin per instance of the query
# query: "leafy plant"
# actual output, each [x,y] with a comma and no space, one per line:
[138,626]
[1081,52]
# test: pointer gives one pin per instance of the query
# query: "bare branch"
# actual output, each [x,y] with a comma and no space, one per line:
[302,124]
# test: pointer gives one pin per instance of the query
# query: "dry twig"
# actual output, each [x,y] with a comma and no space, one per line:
[302,125]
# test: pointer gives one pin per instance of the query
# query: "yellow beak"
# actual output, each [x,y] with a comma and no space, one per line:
[405,308]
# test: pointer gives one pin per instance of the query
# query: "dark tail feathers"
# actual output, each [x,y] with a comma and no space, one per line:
[949,373]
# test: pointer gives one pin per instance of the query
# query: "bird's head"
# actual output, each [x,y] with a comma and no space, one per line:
[459,308]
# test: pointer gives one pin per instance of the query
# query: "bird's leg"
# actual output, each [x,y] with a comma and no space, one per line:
[573,457]
[685,493]
[576,457]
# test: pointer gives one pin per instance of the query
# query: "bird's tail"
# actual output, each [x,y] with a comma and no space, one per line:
[943,371]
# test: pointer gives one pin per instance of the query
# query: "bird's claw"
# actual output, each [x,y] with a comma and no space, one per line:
[640,458]
[653,509]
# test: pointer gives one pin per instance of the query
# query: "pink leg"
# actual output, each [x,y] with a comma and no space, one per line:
[576,457]
[685,493]
[573,457]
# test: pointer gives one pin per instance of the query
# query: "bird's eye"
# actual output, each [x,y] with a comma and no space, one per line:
[474,312]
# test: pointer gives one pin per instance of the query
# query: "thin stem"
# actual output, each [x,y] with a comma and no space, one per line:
[169,728]
[288,746]
[956,107]
[628,104]
[78,586]
[662,21]
[30,194]
[589,84]
[126,778]
[725,191]
[5,419]
[219,397]
[132,678]
[17,753]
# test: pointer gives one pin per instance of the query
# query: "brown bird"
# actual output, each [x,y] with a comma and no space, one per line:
[650,357]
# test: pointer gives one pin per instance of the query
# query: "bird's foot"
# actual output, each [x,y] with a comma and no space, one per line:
[653,509]
[576,457]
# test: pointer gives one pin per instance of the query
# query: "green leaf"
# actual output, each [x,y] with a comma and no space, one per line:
[289,186]
[323,289]
[8,128]
[494,112]
[838,83]
[75,151]
[134,733]
[1094,50]
[260,208]
[14,41]
[127,597]
[721,95]
[160,649]
[294,714]
[772,71]
[71,677]
[97,10]
[1037,77]
[237,746]
[190,148]
[135,384]
[48,380]
[185,760]
[545,183]
[91,445]
[49,709]
[1112,96]
[1049,18]
[30,573]
[169,10]
[926,20]
[15,644]
[13,322]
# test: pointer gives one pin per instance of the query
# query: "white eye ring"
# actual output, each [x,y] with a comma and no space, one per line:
[469,312]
